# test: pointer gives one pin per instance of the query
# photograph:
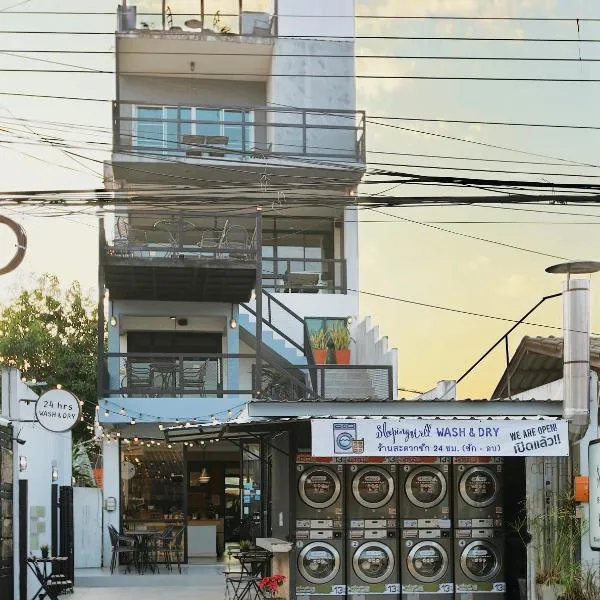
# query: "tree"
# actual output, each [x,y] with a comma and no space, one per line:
[50,335]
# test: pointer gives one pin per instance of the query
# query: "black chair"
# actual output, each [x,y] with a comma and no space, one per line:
[121,544]
[163,546]
[176,548]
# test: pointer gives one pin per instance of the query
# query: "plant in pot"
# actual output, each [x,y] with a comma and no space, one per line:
[318,342]
[340,336]
[555,536]
[270,585]
[44,550]
[245,545]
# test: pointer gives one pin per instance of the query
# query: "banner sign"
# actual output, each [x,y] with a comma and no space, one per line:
[420,437]
[594,481]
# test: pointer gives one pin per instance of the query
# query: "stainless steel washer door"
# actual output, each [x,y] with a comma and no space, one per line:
[318,562]
[478,487]
[319,487]
[425,487]
[427,561]
[373,562]
[373,487]
[480,561]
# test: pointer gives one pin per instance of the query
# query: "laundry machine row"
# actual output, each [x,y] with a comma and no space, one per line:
[384,530]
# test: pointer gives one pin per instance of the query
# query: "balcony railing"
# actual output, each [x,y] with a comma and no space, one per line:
[229,17]
[153,236]
[135,375]
[238,133]
[331,382]
[304,275]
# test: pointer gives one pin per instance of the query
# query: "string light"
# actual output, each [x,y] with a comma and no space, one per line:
[122,411]
[106,412]
[132,421]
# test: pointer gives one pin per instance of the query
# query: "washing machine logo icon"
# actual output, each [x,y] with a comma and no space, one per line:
[344,439]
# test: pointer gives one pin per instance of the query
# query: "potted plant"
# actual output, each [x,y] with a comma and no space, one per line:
[318,342]
[340,336]
[44,550]
[270,585]
[245,545]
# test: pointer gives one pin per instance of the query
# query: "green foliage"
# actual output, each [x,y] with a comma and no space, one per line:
[50,335]
[340,336]
[245,545]
[319,340]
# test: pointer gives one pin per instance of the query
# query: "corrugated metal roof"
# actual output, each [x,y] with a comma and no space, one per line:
[538,361]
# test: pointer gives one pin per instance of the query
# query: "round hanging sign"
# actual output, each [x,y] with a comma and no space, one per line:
[57,410]
[21,245]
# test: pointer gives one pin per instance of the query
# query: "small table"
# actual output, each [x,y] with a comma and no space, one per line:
[175,228]
[253,564]
[142,540]
[51,584]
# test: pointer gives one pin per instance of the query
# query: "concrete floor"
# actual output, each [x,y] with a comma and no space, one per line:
[196,581]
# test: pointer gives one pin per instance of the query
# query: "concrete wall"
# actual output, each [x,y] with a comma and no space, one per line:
[168,91]
[43,451]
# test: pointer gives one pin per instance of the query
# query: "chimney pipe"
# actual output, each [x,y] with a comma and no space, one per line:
[576,347]
[576,368]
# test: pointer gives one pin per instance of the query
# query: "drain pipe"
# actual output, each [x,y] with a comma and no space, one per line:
[576,331]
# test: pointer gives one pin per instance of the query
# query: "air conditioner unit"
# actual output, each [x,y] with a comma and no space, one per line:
[256,23]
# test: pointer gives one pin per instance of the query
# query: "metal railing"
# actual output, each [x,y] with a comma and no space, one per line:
[332,382]
[167,375]
[211,18]
[238,133]
[155,236]
[304,275]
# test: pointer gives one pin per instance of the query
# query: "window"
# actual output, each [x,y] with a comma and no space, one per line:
[161,128]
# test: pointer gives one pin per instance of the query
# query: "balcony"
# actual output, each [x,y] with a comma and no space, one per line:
[203,142]
[200,257]
[230,36]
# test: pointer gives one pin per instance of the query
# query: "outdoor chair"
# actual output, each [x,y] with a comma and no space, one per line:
[127,236]
[236,239]
[196,144]
[140,380]
[121,544]
[163,547]
[217,144]
[193,378]
[176,548]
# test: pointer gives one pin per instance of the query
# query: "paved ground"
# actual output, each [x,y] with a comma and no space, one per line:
[196,582]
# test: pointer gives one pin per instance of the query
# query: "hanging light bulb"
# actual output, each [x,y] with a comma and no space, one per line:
[204,476]
[122,411]
[132,421]
[106,413]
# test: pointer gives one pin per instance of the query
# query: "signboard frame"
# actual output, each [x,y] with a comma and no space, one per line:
[594,495]
[380,437]
[44,403]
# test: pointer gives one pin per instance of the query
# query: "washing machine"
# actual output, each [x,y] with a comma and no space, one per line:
[371,495]
[426,495]
[478,492]
[319,495]
[478,564]
[426,564]
[320,563]
[372,564]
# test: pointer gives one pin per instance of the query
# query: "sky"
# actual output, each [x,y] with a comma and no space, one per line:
[414,259]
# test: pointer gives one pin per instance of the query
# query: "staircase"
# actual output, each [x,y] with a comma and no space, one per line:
[271,340]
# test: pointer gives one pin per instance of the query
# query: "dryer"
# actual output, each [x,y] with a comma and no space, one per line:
[319,495]
[320,563]
[425,489]
[372,564]
[478,564]
[371,495]
[427,565]
[478,492]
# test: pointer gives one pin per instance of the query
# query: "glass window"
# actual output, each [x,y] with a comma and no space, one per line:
[152,485]
[149,127]
[208,122]
[178,123]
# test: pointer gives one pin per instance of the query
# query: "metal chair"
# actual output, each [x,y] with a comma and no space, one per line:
[140,379]
[193,378]
[121,544]
[126,236]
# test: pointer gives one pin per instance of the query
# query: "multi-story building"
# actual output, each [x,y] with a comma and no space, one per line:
[231,255]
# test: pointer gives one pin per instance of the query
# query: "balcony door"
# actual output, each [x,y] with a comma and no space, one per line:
[175,342]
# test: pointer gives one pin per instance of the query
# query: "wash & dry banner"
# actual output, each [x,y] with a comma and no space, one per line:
[420,437]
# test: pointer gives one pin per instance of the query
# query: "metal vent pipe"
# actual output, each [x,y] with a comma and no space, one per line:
[576,369]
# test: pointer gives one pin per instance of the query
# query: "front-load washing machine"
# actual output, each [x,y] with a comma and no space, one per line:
[478,492]
[372,564]
[319,495]
[371,494]
[427,567]
[320,563]
[425,489]
[478,564]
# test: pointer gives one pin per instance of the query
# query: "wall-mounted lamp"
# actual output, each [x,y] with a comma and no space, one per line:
[232,322]
[54,473]
[349,320]
[192,66]
[113,321]
[22,463]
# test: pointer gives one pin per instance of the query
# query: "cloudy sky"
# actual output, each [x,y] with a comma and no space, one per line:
[409,254]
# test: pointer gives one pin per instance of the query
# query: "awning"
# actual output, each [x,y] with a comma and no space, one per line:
[250,428]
